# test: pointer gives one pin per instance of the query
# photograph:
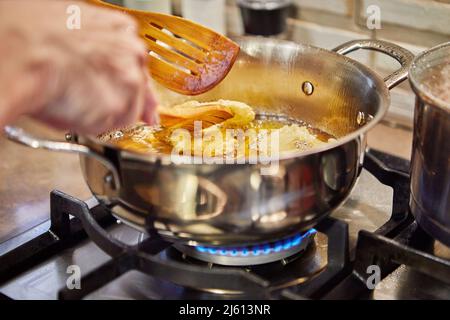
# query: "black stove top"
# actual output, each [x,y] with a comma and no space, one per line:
[359,252]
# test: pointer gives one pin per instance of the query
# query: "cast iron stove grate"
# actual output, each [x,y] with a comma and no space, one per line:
[91,219]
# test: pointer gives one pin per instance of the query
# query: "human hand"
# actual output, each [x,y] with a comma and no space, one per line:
[88,80]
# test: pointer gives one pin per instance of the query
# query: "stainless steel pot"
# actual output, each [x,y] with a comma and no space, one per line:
[430,162]
[235,204]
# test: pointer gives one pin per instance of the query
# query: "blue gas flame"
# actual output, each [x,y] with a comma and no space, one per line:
[264,249]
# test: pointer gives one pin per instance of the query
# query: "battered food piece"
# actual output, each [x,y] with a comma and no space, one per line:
[235,137]
[295,137]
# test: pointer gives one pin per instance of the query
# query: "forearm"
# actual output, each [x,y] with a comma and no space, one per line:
[20,76]
[19,95]
[22,84]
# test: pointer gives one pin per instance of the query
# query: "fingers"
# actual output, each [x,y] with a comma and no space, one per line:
[142,107]
[149,114]
[128,74]
[122,56]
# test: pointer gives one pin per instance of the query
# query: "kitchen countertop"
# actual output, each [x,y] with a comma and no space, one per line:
[27,176]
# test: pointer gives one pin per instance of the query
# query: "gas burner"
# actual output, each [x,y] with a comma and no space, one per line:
[250,255]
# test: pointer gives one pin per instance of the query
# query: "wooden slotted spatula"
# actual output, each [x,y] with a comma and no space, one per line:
[184,56]
[184,117]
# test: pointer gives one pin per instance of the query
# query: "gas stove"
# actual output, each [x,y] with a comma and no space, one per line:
[371,234]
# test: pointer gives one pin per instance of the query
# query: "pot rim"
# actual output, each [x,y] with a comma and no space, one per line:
[423,94]
[384,105]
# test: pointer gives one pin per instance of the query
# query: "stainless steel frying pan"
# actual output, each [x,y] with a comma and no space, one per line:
[222,204]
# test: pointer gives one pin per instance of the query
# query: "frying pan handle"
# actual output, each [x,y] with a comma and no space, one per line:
[19,136]
[400,54]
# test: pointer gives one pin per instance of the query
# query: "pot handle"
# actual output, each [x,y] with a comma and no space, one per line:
[19,136]
[405,57]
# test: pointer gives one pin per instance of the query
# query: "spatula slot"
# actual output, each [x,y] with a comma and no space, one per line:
[172,56]
[178,67]
[179,43]
[178,36]
[178,51]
